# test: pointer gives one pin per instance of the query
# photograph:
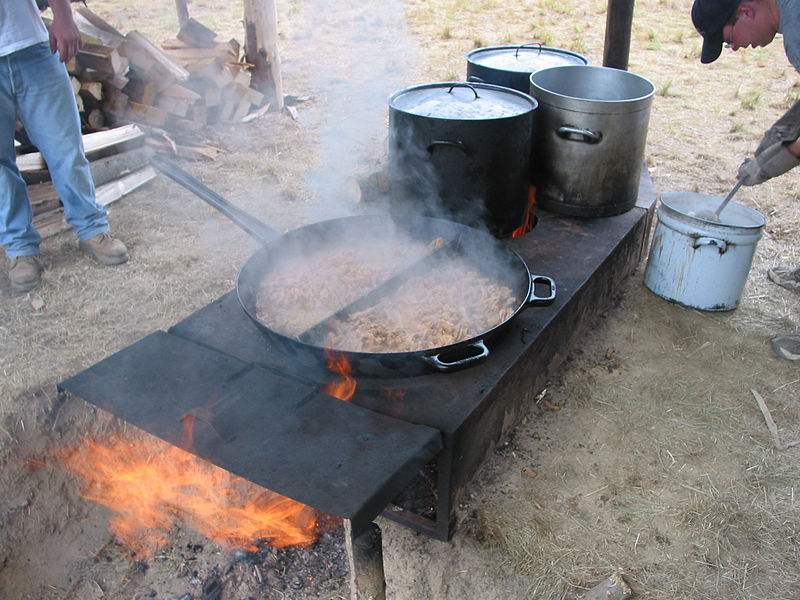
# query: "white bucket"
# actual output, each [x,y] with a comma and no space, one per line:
[698,262]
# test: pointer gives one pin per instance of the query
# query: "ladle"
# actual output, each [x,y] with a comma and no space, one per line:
[709,216]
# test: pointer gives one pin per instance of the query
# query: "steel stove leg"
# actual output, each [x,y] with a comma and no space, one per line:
[365,554]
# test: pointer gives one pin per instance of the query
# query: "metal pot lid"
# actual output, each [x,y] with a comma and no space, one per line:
[524,59]
[694,205]
[462,101]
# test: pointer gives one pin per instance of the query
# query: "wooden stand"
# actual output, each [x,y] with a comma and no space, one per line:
[365,554]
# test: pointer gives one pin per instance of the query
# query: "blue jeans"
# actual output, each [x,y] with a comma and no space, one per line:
[35,87]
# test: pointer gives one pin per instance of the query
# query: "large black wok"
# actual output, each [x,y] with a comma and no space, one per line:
[473,245]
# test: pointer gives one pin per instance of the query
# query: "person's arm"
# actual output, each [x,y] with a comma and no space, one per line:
[64,35]
[778,151]
[794,147]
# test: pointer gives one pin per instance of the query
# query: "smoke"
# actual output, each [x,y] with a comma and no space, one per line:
[364,53]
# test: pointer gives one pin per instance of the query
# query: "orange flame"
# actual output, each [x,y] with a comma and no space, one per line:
[151,485]
[344,388]
[530,216]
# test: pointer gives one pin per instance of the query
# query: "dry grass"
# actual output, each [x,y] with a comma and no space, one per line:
[659,460]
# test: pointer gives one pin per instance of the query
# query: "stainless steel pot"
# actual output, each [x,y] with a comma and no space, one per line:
[589,139]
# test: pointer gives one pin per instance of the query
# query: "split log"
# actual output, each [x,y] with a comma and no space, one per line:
[103,59]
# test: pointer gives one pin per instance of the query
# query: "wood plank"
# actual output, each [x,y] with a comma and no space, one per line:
[174,69]
[195,33]
[146,113]
[114,190]
[213,72]
[50,223]
[174,106]
[92,142]
[43,196]
[179,91]
[91,33]
[97,21]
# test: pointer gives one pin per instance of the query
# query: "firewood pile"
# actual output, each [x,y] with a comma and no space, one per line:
[178,88]
[135,98]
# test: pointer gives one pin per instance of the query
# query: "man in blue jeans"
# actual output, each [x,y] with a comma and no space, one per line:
[741,24]
[35,88]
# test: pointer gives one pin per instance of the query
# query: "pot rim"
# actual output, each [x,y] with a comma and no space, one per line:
[522,97]
[593,70]
[538,48]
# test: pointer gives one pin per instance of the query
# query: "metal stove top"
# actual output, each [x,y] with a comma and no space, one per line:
[261,414]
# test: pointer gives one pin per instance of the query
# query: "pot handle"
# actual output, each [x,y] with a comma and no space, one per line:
[708,241]
[534,299]
[575,134]
[475,79]
[455,85]
[460,145]
[437,363]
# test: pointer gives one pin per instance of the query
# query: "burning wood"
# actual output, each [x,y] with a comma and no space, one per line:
[150,486]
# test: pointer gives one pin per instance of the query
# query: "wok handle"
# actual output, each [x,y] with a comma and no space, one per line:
[437,363]
[260,231]
[534,299]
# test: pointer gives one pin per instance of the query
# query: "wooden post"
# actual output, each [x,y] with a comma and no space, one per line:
[617,47]
[365,554]
[183,11]
[261,49]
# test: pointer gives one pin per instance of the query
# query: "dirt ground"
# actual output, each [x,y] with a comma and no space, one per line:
[658,460]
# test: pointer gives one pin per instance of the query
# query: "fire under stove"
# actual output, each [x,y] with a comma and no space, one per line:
[406,447]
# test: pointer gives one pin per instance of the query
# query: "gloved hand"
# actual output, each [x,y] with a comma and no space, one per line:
[785,129]
[772,161]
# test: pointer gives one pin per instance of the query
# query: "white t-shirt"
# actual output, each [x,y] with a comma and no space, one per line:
[21,25]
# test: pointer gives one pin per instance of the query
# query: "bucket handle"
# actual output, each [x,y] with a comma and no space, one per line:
[574,134]
[709,241]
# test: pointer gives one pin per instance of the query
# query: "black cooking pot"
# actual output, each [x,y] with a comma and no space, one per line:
[462,151]
[512,66]
[499,263]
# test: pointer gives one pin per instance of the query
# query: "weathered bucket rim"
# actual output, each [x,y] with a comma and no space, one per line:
[710,204]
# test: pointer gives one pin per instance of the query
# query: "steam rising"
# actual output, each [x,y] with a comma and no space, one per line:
[372,58]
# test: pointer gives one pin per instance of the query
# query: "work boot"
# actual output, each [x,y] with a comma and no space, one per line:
[105,249]
[786,277]
[24,273]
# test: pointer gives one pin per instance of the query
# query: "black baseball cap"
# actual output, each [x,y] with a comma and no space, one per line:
[709,17]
